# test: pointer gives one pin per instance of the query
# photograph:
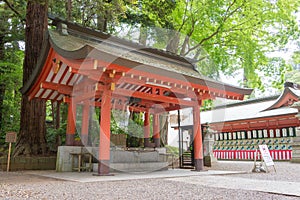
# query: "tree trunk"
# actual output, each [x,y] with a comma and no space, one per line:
[2,93]
[143,35]
[31,138]
[2,84]
[102,22]
[69,9]
[173,42]
[55,112]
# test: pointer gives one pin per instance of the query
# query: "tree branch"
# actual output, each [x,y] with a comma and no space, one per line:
[184,18]
[187,38]
[219,27]
[15,11]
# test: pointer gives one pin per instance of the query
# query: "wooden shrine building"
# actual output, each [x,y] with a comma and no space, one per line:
[240,127]
[83,67]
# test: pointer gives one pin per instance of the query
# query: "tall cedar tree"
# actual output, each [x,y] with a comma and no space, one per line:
[31,138]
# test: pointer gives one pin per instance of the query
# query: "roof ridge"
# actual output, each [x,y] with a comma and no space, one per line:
[248,101]
[96,33]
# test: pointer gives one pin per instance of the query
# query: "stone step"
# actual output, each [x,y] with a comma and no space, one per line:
[135,167]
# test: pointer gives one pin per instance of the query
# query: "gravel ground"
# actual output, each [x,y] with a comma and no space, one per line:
[285,171]
[19,185]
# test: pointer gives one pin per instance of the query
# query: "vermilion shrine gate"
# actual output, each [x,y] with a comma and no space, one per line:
[80,66]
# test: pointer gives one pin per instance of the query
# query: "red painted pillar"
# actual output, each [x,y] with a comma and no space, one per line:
[147,130]
[198,148]
[104,143]
[156,133]
[71,127]
[85,124]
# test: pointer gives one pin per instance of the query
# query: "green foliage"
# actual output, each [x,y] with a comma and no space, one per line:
[100,14]
[148,13]
[11,78]
[207,104]
[135,130]
[277,68]
[237,34]
[55,137]
[221,35]
[296,58]
[172,150]
[11,61]
[294,75]
[118,121]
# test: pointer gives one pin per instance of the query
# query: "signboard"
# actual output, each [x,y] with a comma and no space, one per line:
[265,154]
[11,137]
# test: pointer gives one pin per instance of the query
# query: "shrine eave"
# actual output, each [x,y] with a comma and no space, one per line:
[46,46]
[154,61]
[254,114]
[288,95]
[281,121]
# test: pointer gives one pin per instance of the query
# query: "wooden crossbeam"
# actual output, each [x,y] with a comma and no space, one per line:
[63,89]
[90,68]
[153,97]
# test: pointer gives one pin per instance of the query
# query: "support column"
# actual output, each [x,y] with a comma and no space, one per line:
[156,133]
[71,127]
[198,149]
[147,130]
[104,143]
[85,124]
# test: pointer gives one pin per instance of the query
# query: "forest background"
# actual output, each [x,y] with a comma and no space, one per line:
[231,38]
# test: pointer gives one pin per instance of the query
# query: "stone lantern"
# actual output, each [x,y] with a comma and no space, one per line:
[296,139]
[208,146]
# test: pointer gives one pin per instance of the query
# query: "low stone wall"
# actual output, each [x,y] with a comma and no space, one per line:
[120,159]
[29,163]
[64,157]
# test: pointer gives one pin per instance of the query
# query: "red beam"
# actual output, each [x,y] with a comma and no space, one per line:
[63,89]
[87,67]
[143,82]
[180,86]
[258,123]
[120,107]
[153,97]
[83,64]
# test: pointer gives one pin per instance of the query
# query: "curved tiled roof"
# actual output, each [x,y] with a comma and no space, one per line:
[81,42]
[252,108]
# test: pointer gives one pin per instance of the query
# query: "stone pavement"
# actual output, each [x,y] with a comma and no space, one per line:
[211,178]
[86,177]
[228,182]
